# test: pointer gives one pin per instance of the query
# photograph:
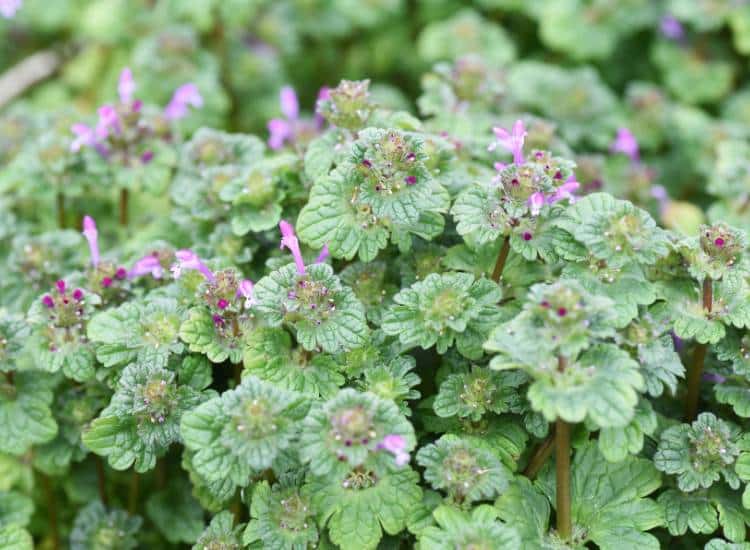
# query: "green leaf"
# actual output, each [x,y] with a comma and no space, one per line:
[15,509]
[526,509]
[220,533]
[616,444]
[610,500]
[688,511]
[467,473]
[95,527]
[601,386]
[660,365]
[358,508]
[25,412]
[700,453]
[344,432]
[15,537]
[142,419]
[269,356]
[615,230]
[323,312]
[199,332]
[176,514]
[243,431]
[443,309]
[471,395]
[458,529]
[281,517]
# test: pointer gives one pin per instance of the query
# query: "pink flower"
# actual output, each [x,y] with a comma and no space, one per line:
[8,8]
[282,129]
[535,202]
[323,256]
[512,141]
[565,191]
[189,260]
[92,236]
[289,103]
[185,96]
[149,264]
[626,143]
[126,86]
[396,445]
[289,240]
[109,121]
[671,28]
[246,291]
[85,136]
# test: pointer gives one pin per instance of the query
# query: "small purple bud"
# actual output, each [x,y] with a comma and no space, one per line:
[147,157]
[562,312]
[411,157]
[222,304]
[366,163]
[48,301]
[60,286]
[410,180]
[121,273]
[719,242]
[78,295]
[218,320]
[526,236]
[107,282]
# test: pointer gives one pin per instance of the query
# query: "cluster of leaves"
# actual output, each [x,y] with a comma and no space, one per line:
[455,302]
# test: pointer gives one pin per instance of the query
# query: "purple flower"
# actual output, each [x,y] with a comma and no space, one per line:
[92,236]
[535,202]
[60,286]
[126,86]
[184,96]
[396,445]
[626,143]
[512,141]
[289,240]
[78,295]
[714,378]
[565,191]
[109,121]
[85,137]
[282,129]
[147,157]
[149,264]
[48,301]
[671,28]
[246,291]
[8,8]
[187,259]
[323,256]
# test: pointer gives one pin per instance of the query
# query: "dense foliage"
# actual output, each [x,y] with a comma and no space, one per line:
[388,274]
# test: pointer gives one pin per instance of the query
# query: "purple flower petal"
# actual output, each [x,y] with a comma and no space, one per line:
[512,141]
[187,259]
[289,240]
[626,143]
[126,86]
[183,97]
[289,103]
[92,236]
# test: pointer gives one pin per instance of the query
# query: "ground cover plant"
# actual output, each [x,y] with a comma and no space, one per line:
[389,274]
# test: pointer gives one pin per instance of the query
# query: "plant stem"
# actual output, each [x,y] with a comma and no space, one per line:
[540,456]
[60,211]
[562,473]
[562,465]
[135,481]
[124,195]
[695,372]
[102,480]
[500,263]
[51,511]
[161,473]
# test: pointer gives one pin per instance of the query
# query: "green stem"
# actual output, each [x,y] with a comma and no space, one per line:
[124,196]
[562,466]
[135,482]
[60,201]
[695,373]
[500,263]
[51,511]
[101,480]
[562,472]
[540,456]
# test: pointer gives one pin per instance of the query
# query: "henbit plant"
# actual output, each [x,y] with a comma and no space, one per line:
[373,327]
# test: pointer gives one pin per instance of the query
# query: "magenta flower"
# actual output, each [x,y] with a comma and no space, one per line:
[148,265]
[396,445]
[85,137]
[185,96]
[246,291]
[92,236]
[289,240]
[282,129]
[109,121]
[565,191]
[512,141]
[671,28]
[48,301]
[8,8]
[126,86]
[189,260]
[626,143]
[535,202]
[323,256]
